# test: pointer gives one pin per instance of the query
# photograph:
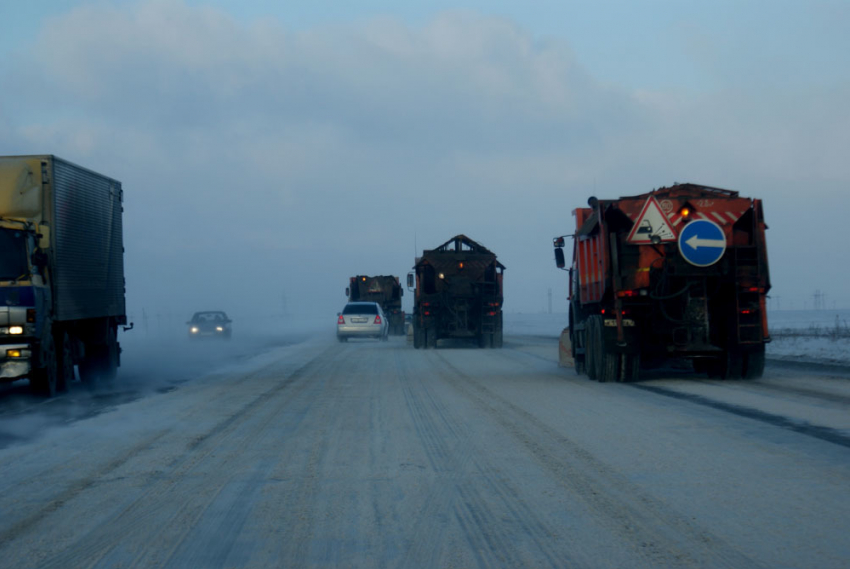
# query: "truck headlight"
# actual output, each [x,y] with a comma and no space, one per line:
[16,329]
[194,330]
[219,329]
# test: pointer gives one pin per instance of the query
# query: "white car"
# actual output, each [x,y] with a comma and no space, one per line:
[362,320]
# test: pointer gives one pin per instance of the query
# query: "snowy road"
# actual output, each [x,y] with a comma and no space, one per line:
[373,454]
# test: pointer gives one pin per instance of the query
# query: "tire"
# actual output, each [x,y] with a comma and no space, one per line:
[610,365]
[44,380]
[417,337]
[753,367]
[728,366]
[590,363]
[631,367]
[498,338]
[65,364]
[431,337]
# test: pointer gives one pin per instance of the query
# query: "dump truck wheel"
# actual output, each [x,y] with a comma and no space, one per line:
[431,337]
[631,367]
[754,364]
[591,347]
[498,338]
[728,366]
[45,379]
[65,364]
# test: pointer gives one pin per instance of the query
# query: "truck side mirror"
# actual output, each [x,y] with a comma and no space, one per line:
[409,280]
[559,258]
[347,291]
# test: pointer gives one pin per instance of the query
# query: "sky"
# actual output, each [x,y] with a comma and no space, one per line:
[270,150]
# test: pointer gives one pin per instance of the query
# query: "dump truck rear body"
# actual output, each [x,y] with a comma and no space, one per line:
[386,291]
[680,272]
[62,231]
[458,294]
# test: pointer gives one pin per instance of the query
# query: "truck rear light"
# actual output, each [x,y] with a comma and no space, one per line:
[427,313]
[747,311]
[340,320]
[31,315]
[491,314]
[755,289]
[460,265]
[627,293]
[378,319]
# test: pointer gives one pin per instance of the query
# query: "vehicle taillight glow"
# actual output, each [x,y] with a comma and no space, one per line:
[627,293]
[340,320]
[378,319]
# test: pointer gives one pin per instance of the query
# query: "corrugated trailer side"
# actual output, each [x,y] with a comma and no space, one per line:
[87,242]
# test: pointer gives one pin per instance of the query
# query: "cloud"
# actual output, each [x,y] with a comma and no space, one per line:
[257,159]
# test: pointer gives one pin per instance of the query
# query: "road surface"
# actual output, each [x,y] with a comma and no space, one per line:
[371,454]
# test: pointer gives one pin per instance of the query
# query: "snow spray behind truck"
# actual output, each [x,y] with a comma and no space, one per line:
[386,291]
[61,272]
[679,272]
[458,294]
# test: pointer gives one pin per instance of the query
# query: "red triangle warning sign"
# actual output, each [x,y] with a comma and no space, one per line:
[652,226]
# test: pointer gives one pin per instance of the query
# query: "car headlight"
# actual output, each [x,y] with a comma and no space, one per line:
[219,329]
[194,330]
[16,329]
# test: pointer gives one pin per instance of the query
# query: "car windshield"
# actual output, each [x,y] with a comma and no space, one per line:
[209,317]
[13,254]
[360,309]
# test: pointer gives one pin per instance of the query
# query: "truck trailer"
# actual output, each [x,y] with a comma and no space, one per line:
[678,273]
[61,272]
[386,291]
[458,294]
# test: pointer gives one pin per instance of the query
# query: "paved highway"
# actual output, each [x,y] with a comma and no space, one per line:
[372,454]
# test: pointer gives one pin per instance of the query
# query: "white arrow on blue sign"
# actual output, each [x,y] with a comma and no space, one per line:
[702,242]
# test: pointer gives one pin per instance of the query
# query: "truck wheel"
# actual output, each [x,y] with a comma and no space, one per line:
[431,337]
[754,364]
[631,367]
[64,350]
[610,368]
[498,338]
[45,380]
[728,366]
[590,357]
[342,339]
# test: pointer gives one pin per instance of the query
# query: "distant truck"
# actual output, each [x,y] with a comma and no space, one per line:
[61,272]
[679,272]
[458,294]
[386,291]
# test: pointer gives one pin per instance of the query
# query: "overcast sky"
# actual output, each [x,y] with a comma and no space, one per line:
[276,148]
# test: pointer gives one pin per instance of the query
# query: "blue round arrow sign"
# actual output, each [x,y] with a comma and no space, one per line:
[702,242]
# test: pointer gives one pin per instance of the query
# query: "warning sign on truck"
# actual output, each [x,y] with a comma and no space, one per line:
[652,226]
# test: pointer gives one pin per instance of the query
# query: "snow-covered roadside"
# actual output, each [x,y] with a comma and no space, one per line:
[784,347]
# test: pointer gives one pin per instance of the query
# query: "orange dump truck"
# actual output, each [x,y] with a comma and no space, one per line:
[676,273]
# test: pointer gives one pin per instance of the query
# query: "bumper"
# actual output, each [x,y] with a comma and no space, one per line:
[368,331]
[14,368]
